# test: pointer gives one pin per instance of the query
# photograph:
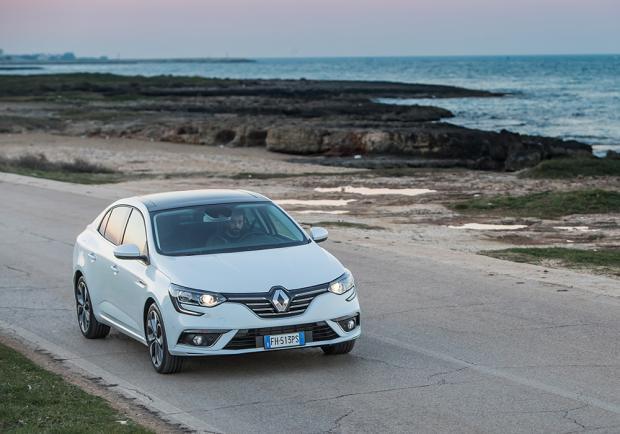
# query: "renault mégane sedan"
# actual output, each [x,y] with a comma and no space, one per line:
[211,272]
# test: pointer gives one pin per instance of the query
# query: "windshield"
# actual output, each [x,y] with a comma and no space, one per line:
[231,227]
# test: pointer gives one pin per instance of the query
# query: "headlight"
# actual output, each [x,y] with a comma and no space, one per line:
[343,284]
[182,296]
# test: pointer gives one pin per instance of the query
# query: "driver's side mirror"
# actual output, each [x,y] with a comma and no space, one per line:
[318,234]
[129,251]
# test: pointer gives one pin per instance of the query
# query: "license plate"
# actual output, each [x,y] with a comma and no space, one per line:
[284,340]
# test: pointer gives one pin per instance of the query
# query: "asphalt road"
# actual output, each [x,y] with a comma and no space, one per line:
[445,348]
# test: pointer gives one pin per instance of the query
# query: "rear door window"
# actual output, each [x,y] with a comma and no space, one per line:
[116,224]
[135,233]
[104,222]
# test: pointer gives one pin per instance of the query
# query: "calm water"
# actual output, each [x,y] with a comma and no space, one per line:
[561,96]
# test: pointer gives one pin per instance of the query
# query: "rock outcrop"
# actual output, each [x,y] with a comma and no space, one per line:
[466,147]
[301,117]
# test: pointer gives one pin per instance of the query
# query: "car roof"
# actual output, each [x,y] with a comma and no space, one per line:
[178,199]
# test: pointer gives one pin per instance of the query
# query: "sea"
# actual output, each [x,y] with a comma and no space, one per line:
[570,97]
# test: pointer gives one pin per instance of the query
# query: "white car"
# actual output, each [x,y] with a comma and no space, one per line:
[211,272]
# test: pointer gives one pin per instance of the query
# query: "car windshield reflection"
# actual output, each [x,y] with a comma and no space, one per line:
[219,228]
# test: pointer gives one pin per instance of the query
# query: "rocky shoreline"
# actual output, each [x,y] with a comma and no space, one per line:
[338,119]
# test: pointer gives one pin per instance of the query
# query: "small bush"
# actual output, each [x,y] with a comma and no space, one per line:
[80,165]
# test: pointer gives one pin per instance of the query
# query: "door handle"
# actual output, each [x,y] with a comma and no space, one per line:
[92,257]
[114,269]
[140,283]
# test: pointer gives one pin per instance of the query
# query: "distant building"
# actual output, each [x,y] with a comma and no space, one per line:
[45,57]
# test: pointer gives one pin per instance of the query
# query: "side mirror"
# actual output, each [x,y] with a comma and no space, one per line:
[128,251]
[318,234]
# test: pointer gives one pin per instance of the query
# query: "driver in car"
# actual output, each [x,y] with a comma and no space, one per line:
[234,230]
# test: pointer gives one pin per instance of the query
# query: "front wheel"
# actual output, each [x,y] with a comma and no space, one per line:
[341,348]
[161,359]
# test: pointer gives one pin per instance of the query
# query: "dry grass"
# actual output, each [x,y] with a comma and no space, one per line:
[78,171]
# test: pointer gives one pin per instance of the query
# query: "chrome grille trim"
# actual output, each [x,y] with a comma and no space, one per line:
[260,303]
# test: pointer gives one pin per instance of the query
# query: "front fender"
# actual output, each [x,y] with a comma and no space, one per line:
[156,292]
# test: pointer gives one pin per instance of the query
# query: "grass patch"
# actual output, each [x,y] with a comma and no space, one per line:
[547,204]
[564,168]
[35,400]
[78,171]
[604,260]
[344,224]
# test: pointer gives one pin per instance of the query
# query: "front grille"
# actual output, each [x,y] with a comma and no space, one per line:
[253,338]
[260,303]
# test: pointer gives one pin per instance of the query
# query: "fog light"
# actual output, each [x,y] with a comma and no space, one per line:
[200,338]
[349,324]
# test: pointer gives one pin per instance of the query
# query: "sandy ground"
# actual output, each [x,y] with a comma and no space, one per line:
[400,216]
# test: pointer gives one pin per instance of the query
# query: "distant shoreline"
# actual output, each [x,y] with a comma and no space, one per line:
[123,61]
[21,68]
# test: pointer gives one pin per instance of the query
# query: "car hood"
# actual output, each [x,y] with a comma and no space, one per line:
[253,271]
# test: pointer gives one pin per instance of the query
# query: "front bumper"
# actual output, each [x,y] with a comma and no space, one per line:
[238,322]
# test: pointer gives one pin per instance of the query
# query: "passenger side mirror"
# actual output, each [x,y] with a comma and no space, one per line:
[318,234]
[128,251]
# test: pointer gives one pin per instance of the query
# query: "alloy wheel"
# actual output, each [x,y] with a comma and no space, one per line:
[83,306]
[155,338]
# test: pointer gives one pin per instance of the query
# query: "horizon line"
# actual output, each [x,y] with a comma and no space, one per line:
[329,56]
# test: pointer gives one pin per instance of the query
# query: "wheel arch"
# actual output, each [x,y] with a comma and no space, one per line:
[76,277]
[149,301]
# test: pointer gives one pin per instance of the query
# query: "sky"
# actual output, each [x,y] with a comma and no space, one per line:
[309,28]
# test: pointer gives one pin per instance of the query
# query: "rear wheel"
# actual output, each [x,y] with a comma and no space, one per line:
[89,326]
[161,359]
[341,348]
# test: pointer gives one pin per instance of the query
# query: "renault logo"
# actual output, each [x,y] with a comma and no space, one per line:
[280,300]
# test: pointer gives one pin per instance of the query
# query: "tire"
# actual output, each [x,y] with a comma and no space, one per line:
[341,348]
[89,326]
[163,362]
